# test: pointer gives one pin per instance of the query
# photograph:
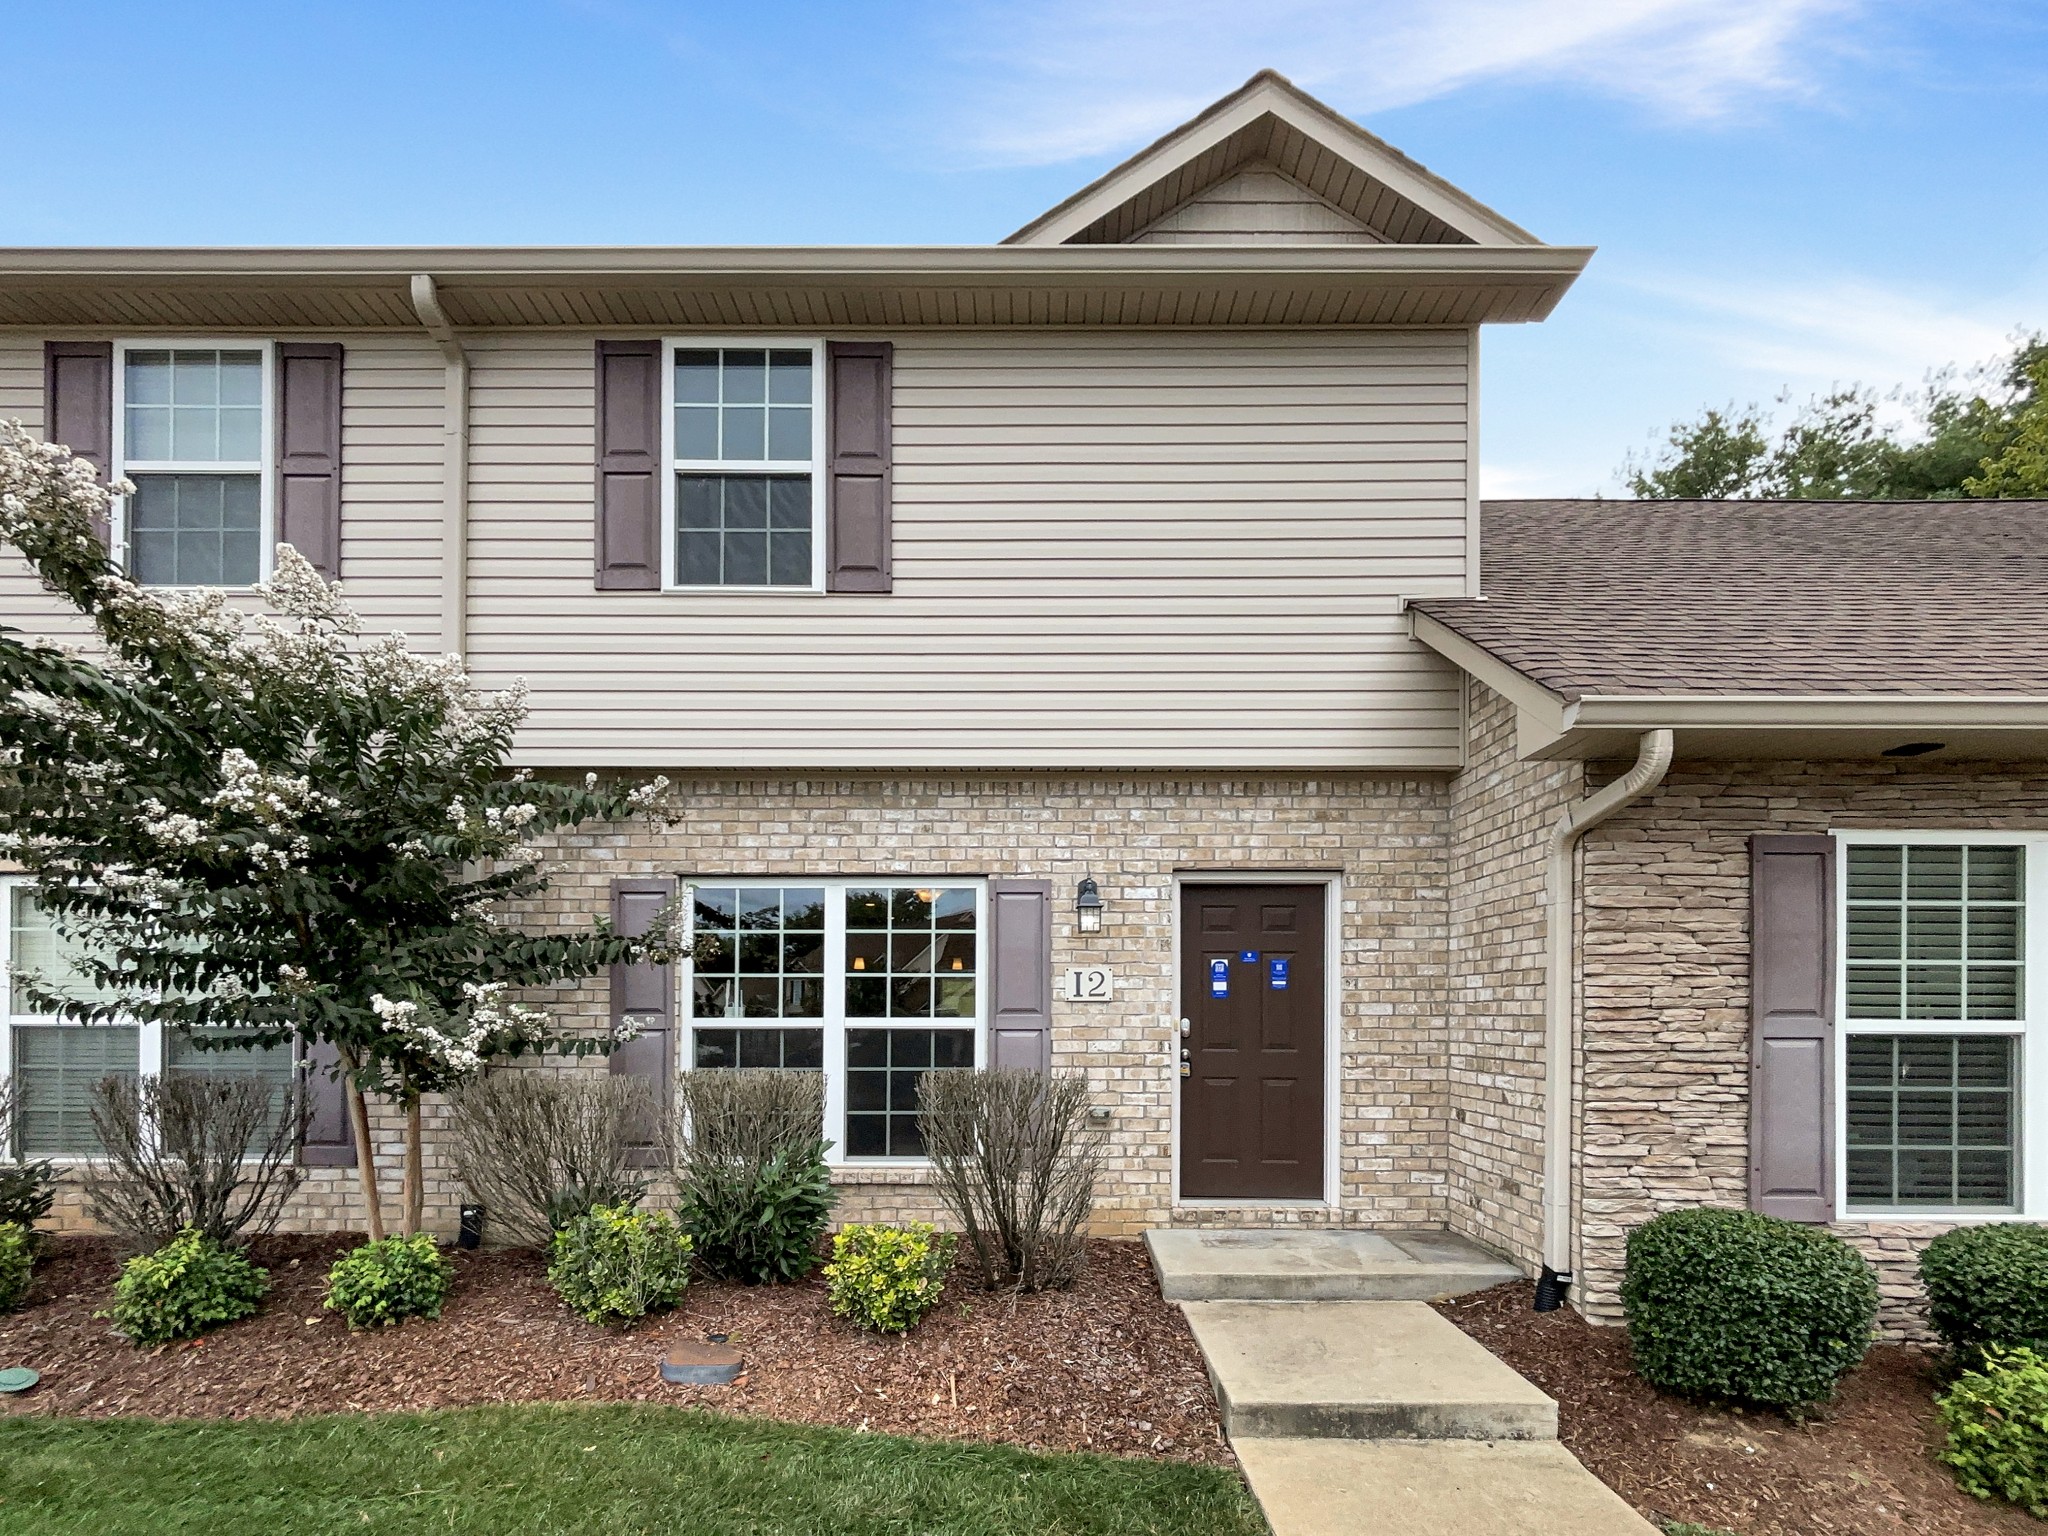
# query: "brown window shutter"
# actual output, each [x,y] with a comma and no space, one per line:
[330,1140]
[1020,986]
[858,480]
[1792,1046]
[78,405]
[643,997]
[629,466]
[309,452]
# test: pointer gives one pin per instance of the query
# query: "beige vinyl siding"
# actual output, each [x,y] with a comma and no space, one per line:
[1180,550]
[1256,206]
[390,485]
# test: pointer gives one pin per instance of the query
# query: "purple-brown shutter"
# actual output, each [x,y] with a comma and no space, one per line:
[1792,1033]
[1020,984]
[643,997]
[629,466]
[330,1140]
[858,480]
[78,405]
[309,452]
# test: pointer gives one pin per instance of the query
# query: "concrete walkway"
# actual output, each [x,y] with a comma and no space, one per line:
[1369,1412]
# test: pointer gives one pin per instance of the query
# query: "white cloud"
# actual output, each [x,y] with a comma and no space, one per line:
[1071,78]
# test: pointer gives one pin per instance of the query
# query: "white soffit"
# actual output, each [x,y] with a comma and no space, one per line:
[1272,122]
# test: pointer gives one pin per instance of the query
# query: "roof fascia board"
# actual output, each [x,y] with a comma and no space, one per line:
[1268,94]
[1777,711]
[1549,714]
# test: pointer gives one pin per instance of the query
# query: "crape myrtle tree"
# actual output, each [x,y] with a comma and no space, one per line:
[266,824]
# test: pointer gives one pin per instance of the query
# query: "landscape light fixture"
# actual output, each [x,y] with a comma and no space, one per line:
[1088,906]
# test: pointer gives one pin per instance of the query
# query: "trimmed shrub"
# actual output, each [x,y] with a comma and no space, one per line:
[17,1264]
[752,1188]
[1997,1420]
[189,1285]
[1017,1167]
[386,1282]
[541,1149]
[1735,1306]
[615,1265]
[195,1149]
[1987,1287]
[888,1278]
[27,1190]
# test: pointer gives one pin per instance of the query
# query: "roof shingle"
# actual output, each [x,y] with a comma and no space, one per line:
[1763,597]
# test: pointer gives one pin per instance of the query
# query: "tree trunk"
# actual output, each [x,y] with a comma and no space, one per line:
[415,1172]
[366,1153]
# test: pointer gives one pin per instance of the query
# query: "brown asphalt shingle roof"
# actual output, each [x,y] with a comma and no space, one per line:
[1763,597]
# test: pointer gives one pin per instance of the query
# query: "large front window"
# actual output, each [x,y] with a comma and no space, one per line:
[192,436]
[745,435]
[874,983]
[1935,1057]
[53,1063]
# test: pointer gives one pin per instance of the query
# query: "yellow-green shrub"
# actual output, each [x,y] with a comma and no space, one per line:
[1997,1420]
[888,1278]
[17,1263]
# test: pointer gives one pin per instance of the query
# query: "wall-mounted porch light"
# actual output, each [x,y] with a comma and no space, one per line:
[1088,906]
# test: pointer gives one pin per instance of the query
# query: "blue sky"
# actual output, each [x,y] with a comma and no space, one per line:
[1785,193]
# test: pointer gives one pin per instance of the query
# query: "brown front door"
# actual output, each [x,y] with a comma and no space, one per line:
[1251,989]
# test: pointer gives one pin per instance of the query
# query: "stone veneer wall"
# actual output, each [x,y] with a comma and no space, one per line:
[1384,835]
[1665,985]
[1502,812]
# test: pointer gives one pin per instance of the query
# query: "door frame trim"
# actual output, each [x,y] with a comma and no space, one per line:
[1332,882]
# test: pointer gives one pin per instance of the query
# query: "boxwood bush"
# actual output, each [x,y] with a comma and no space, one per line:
[187,1286]
[615,1265]
[1988,1287]
[1997,1420]
[1735,1306]
[17,1264]
[887,1278]
[386,1282]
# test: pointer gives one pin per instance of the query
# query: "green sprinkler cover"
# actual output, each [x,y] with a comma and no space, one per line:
[18,1379]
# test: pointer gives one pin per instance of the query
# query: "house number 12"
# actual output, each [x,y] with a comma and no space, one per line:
[1089,984]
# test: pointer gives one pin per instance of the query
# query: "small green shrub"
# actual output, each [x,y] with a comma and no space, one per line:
[1733,1305]
[383,1283]
[187,1286]
[617,1264]
[752,1188]
[27,1191]
[888,1278]
[17,1263]
[1987,1287]
[1997,1420]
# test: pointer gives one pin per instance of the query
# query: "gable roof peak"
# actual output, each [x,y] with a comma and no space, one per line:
[1271,120]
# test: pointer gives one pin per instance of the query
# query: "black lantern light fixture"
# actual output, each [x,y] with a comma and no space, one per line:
[1088,906]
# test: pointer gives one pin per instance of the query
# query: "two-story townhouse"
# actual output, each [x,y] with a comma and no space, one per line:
[1074,653]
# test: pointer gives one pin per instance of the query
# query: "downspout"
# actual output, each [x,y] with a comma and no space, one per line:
[1653,761]
[426,303]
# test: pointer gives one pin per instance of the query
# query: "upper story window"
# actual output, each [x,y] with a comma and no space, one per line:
[192,429]
[1937,1066]
[746,443]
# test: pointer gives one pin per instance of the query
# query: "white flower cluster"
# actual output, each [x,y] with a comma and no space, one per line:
[485,1025]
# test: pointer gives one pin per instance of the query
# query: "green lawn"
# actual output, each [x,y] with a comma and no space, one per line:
[537,1470]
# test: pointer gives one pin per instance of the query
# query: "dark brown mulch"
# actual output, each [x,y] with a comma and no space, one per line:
[1108,1366]
[1863,1465]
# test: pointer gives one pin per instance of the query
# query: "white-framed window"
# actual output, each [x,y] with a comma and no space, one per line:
[872,981]
[193,431]
[53,1063]
[743,434]
[1942,1096]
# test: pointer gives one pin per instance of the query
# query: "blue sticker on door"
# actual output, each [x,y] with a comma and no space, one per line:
[1219,978]
[1276,974]
[1248,957]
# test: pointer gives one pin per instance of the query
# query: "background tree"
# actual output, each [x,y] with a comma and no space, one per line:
[1943,445]
[272,826]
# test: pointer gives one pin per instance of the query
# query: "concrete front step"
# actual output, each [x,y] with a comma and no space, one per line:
[1362,1370]
[1431,1488]
[1200,1264]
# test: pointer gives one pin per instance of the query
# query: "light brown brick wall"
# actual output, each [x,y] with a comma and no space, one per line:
[1665,984]
[1384,836]
[1502,812]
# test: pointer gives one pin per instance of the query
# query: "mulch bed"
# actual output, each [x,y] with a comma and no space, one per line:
[1863,1465]
[1107,1367]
